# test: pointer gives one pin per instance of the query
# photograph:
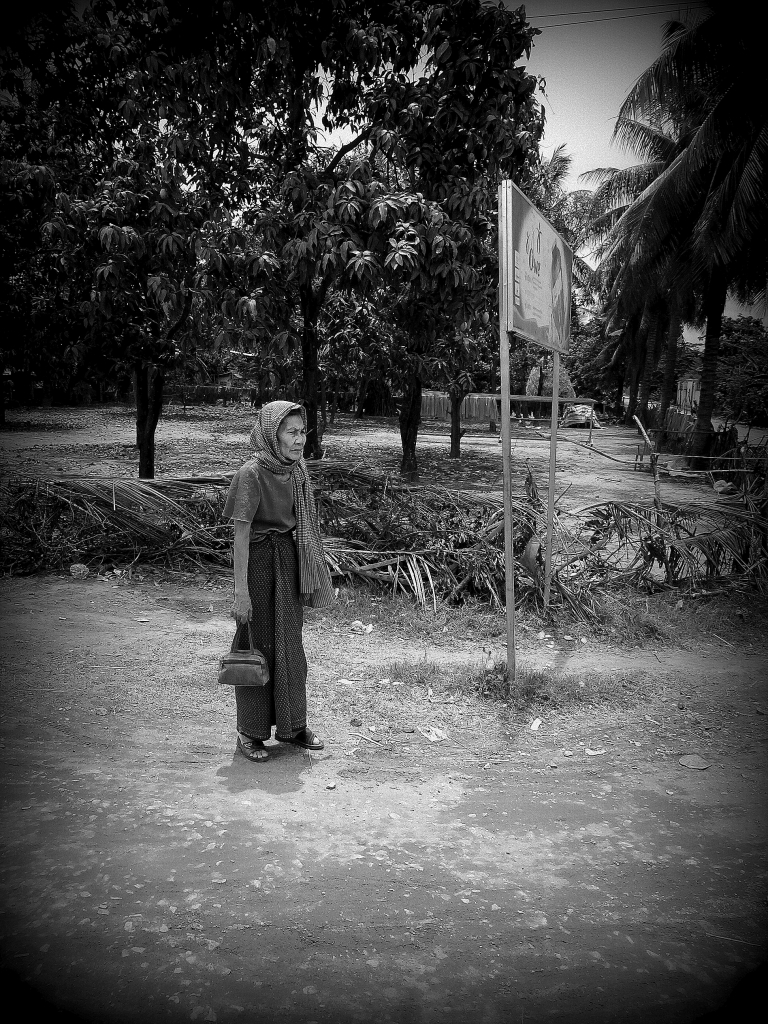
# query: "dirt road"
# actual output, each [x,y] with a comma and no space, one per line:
[100,441]
[150,873]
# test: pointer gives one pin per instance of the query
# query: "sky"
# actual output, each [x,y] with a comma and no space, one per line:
[591,52]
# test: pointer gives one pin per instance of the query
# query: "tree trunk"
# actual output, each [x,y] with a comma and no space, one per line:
[456,397]
[311,303]
[714,304]
[652,352]
[634,385]
[362,394]
[23,387]
[149,403]
[619,406]
[644,389]
[670,366]
[323,402]
[636,362]
[334,400]
[410,417]
[309,383]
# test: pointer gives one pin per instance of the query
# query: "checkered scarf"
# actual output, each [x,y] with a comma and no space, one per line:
[314,579]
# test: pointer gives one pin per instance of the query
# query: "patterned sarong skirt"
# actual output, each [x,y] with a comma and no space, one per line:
[276,624]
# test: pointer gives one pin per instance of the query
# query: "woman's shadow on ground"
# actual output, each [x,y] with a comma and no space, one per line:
[281,773]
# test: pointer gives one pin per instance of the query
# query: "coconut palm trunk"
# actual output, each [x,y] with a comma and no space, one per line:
[669,383]
[714,305]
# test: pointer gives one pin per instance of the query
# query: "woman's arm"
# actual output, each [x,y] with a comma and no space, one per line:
[241,606]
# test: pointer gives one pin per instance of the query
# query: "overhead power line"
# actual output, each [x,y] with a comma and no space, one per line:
[614,10]
[600,21]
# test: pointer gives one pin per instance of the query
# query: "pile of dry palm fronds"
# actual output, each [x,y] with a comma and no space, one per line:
[427,541]
[49,524]
[700,540]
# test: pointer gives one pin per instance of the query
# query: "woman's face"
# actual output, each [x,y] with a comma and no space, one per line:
[291,436]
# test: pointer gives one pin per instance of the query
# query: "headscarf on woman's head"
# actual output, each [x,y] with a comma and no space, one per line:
[264,434]
[314,579]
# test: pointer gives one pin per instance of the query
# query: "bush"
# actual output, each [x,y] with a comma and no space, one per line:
[742,387]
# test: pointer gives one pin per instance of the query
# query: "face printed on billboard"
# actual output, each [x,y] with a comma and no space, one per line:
[541,265]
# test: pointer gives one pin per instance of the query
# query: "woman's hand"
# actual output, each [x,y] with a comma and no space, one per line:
[241,609]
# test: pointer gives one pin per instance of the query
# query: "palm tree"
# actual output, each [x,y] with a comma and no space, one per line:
[703,219]
[647,304]
[568,212]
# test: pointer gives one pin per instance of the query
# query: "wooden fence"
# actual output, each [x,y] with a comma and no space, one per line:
[485,408]
[435,405]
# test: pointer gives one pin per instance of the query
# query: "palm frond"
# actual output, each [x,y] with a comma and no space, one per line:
[625,186]
[652,143]
[598,174]
[424,541]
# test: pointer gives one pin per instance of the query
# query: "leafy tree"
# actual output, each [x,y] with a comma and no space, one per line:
[184,192]
[406,202]
[143,164]
[360,341]
[569,213]
[32,159]
[159,265]
[328,230]
[470,119]
[590,376]
[322,214]
[462,361]
[742,387]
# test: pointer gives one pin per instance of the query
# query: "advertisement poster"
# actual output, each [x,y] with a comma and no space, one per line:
[540,266]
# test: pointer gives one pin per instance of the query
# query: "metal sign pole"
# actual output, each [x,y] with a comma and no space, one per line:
[552,464]
[538,308]
[505,214]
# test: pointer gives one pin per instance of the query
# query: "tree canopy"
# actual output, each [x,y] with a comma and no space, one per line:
[186,197]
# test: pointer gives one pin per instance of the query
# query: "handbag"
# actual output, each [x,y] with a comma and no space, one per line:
[243,668]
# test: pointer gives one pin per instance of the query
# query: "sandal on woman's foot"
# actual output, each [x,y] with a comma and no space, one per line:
[306,738]
[254,750]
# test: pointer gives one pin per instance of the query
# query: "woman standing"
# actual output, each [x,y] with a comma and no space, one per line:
[279,567]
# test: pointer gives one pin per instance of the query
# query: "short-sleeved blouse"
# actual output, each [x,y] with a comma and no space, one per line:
[262,498]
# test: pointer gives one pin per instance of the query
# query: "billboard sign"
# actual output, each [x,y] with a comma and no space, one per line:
[540,268]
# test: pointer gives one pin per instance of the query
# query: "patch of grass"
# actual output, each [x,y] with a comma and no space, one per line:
[429,675]
[669,616]
[541,689]
[381,608]
[473,620]
[625,618]
[535,689]
[626,615]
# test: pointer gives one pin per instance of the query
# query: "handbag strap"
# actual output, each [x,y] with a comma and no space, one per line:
[236,639]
